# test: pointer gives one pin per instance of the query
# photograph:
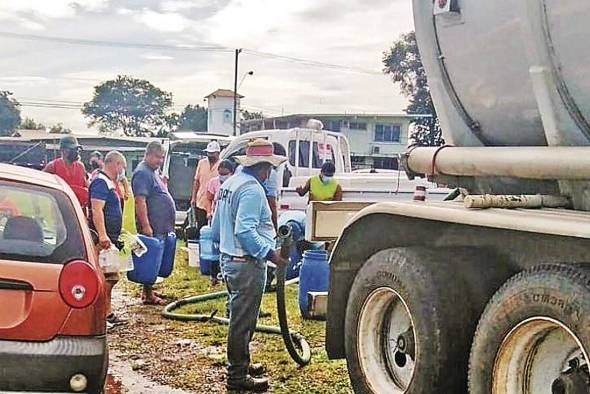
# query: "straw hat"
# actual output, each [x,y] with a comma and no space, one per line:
[260,151]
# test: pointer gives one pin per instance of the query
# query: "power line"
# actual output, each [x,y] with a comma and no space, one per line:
[312,63]
[70,104]
[113,44]
[202,47]
[49,107]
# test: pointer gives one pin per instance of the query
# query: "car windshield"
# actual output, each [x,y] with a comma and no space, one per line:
[38,224]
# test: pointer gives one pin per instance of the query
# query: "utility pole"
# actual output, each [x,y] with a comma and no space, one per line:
[238,51]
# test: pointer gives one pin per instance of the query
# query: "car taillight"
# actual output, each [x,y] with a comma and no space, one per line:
[78,284]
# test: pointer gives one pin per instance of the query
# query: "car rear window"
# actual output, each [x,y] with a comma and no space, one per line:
[38,224]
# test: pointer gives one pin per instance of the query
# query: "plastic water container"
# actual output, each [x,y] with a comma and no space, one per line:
[193,253]
[207,251]
[313,276]
[294,263]
[168,256]
[147,267]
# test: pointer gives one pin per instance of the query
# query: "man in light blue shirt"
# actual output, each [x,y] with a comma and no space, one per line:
[242,225]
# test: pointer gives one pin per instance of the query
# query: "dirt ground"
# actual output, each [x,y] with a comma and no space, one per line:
[155,355]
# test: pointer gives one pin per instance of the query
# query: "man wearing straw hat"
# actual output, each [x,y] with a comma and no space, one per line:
[242,224]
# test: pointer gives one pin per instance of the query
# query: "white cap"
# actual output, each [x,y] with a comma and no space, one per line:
[213,147]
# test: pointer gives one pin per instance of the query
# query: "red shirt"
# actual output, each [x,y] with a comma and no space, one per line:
[74,175]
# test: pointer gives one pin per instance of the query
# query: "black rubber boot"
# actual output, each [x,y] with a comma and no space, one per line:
[256,370]
[248,383]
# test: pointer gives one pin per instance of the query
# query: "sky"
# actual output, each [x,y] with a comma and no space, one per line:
[186,47]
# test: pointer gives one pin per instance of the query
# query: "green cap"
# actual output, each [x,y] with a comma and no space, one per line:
[69,142]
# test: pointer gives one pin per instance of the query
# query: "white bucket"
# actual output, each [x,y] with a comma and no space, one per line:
[193,254]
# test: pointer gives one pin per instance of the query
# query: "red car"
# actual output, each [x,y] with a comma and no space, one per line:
[52,303]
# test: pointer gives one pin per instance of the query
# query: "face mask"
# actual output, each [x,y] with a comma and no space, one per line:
[212,158]
[121,174]
[72,155]
[326,179]
[268,173]
[223,178]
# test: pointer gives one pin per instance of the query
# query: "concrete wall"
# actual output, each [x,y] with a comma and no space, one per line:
[220,115]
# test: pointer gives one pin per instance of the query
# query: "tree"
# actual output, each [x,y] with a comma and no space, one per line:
[168,124]
[30,124]
[59,129]
[193,117]
[132,106]
[9,113]
[403,63]
[247,115]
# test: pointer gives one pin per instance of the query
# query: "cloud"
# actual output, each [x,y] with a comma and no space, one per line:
[168,22]
[346,32]
[152,56]
[54,8]
[124,11]
[23,81]
[183,5]
[30,14]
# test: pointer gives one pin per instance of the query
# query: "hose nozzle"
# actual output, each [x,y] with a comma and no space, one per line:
[285,231]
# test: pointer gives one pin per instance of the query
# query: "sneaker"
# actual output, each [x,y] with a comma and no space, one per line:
[256,370]
[115,320]
[248,383]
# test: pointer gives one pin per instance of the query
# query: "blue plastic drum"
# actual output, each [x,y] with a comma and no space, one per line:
[313,276]
[147,267]
[208,253]
[168,256]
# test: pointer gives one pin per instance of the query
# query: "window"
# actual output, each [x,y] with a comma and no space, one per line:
[334,125]
[321,152]
[358,126]
[357,159]
[388,163]
[227,116]
[387,133]
[38,225]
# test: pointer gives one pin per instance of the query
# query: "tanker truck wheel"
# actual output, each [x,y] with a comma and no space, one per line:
[410,318]
[534,336]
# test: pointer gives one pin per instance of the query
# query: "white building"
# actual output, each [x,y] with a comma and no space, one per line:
[220,118]
[376,140]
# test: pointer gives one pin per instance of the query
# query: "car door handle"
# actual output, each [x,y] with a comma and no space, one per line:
[7,284]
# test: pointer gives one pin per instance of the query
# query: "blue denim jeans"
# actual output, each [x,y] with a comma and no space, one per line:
[245,283]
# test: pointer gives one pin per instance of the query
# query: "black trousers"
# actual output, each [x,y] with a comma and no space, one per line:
[201,216]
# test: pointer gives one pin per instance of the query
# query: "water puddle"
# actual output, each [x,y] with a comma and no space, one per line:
[122,379]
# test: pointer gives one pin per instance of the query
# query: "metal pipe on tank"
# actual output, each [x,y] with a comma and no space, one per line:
[545,163]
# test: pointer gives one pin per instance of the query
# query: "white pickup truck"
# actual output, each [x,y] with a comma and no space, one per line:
[307,149]
[385,185]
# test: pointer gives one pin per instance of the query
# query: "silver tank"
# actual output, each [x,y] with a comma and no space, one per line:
[508,72]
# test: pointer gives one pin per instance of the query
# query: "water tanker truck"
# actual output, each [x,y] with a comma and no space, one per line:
[489,293]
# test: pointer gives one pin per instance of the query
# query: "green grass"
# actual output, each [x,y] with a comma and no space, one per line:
[321,376]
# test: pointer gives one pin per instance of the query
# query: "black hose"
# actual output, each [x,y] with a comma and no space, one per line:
[292,339]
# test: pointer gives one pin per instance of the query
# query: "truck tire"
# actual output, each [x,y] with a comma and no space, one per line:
[410,318]
[534,335]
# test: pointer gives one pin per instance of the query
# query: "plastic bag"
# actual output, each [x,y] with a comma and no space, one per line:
[132,244]
[109,260]
[126,261]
